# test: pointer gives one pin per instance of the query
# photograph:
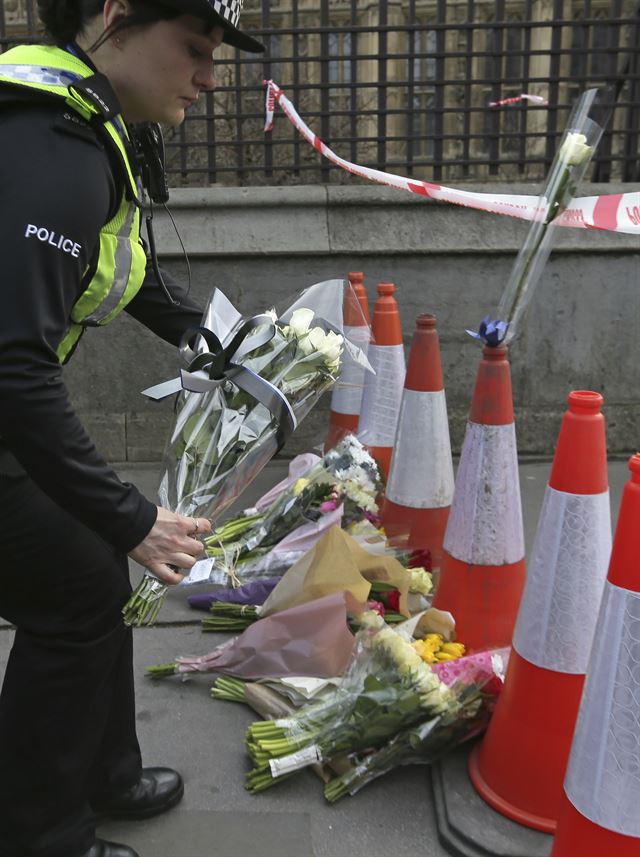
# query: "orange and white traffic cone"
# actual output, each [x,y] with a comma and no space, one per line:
[346,398]
[600,810]
[420,486]
[520,765]
[383,390]
[483,569]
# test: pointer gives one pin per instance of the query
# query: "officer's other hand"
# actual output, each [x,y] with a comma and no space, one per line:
[172,541]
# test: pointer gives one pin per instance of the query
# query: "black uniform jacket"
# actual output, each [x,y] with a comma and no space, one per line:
[56,175]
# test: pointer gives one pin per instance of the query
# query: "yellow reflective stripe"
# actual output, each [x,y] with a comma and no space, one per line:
[72,336]
[33,66]
[120,272]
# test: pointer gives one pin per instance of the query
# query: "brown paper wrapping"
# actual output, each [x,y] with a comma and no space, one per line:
[337,563]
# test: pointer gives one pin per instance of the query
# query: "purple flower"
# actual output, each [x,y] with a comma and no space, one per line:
[254,592]
[491,331]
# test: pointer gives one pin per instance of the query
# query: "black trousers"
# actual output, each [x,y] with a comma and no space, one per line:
[67,720]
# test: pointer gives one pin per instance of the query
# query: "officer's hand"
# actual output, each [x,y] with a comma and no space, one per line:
[172,541]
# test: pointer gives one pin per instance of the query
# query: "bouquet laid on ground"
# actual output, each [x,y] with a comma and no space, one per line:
[474,682]
[248,384]
[335,563]
[339,488]
[310,639]
[386,689]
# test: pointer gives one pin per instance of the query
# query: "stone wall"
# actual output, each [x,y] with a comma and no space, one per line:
[261,245]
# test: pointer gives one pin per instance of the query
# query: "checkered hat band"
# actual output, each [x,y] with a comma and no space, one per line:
[229,10]
[38,74]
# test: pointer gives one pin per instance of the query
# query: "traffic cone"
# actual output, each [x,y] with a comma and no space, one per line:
[420,486]
[600,809]
[519,767]
[483,568]
[383,390]
[346,398]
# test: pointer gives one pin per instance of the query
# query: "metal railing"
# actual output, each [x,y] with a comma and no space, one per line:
[406,86]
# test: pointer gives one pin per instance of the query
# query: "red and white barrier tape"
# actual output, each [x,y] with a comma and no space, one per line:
[534,99]
[618,212]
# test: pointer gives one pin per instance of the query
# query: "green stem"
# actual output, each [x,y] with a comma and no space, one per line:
[162,670]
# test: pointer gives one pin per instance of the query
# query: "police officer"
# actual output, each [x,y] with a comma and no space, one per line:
[71,258]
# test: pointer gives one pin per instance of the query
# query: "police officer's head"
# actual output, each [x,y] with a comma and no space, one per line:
[65,19]
[157,54]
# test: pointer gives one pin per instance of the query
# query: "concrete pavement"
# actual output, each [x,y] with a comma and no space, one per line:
[181,726]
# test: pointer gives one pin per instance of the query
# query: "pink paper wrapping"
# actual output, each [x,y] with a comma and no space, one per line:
[297,468]
[472,669]
[305,537]
[312,639]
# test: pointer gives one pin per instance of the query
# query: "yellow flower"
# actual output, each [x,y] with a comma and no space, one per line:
[434,641]
[299,485]
[455,649]
[443,656]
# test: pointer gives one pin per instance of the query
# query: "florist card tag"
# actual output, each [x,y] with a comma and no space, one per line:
[199,572]
[294,761]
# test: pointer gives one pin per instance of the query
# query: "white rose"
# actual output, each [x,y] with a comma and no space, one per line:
[574,150]
[313,341]
[317,337]
[301,321]
[332,347]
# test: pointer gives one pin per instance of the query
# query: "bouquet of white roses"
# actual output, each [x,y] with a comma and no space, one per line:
[248,385]
[386,689]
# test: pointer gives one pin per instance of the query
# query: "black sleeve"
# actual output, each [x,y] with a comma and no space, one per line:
[56,192]
[152,308]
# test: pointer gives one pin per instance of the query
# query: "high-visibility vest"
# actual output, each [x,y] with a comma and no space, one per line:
[116,277]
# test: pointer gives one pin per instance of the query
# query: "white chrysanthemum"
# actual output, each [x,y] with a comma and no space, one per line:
[370,619]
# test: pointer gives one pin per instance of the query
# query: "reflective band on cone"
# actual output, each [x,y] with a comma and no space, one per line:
[485,524]
[383,390]
[346,398]
[565,580]
[420,487]
[483,567]
[595,841]
[520,765]
[603,777]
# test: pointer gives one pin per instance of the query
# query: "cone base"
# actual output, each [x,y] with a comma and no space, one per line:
[424,528]
[519,766]
[537,822]
[340,425]
[576,835]
[484,600]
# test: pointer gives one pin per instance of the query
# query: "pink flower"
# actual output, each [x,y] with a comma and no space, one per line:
[376,606]
[328,506]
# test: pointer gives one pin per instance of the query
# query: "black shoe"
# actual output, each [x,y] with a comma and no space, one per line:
[157,790]
[102,848]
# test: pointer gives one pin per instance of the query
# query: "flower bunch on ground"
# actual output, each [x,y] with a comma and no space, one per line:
[386,688]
